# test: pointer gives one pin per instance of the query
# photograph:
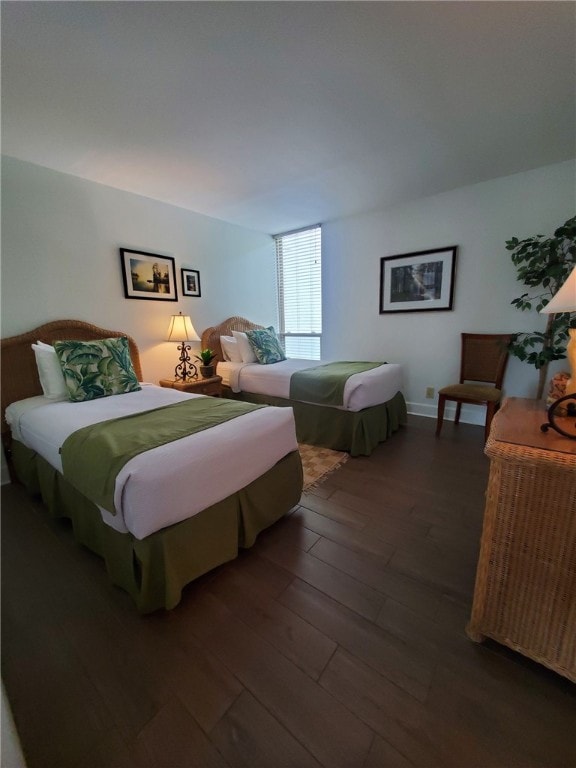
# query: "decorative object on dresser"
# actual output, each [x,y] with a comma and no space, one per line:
[191,282]
[148,275]
[562,417]
[525,592]
[565,302]
[211,386]
[206,357]
[557,387]
[423,280]
[181,330]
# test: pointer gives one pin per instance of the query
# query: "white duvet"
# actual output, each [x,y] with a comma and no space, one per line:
[362,390]
[172,482]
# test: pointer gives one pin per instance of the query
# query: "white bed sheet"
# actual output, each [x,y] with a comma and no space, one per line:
[362,390]
[172,482]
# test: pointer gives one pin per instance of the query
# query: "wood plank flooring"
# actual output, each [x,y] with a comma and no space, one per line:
[338,640]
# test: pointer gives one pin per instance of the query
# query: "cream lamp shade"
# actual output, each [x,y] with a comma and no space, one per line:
[565,301]
[181,329]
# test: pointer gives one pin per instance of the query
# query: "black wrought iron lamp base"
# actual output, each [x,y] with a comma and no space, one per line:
[564,412]
[185,369]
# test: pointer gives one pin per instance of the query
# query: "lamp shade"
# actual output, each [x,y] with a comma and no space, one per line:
[565,299]
[181,329]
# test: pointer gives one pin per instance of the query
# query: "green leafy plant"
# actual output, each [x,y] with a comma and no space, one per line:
[206,356]
[543,264]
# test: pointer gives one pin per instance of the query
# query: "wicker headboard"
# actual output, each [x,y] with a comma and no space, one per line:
[19,372]
[211,336]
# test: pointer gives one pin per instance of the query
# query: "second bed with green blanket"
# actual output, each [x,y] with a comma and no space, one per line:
[347,406]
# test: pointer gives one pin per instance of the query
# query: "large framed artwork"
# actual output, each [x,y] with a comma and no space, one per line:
[190,282]
[419,281]
[148,275]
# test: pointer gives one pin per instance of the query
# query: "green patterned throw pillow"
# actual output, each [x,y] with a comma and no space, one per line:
[266,345]
[94,369]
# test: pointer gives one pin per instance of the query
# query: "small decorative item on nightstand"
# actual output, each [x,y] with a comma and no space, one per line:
[211,386]
[206,356]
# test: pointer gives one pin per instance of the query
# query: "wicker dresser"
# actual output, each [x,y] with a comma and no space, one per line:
[525,594]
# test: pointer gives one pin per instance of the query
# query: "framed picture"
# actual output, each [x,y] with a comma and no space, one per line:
[148,276]
[419,281]
[190,282]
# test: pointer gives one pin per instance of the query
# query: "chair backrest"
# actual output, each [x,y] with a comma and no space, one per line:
[484,357]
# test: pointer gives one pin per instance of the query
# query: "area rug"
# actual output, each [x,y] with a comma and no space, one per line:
[318,463]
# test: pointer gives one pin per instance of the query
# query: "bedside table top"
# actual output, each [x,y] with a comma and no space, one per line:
[191,384]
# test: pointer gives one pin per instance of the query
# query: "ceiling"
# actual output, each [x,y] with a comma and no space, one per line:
[276,115]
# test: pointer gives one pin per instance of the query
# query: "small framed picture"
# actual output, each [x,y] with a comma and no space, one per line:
[190,282]
[148,276]
[419,281]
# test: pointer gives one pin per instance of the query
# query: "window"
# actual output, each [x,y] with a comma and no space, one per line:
[299,277]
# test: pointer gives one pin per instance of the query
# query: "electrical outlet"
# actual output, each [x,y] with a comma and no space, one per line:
[429,392]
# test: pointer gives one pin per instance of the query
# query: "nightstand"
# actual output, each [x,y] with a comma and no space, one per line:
[211,386]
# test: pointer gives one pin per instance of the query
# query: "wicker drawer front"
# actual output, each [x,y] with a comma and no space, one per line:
[210,388]
[525,594]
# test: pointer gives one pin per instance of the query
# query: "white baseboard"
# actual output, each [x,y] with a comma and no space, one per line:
[470,414]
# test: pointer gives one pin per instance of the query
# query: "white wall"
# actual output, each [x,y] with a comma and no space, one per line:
[478,219]
[61,235]
[60,259]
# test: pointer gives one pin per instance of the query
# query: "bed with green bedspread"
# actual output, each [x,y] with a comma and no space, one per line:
[322,423]
[155,569]
[357,432]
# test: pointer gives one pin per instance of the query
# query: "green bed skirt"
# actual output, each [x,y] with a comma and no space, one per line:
[154,570]
[357,432]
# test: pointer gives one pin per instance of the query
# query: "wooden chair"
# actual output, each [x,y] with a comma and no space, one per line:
[483,361]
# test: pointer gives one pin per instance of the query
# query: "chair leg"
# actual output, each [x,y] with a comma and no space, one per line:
[457,415]
[440,416]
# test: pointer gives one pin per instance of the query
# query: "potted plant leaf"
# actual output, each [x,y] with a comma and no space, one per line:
[543,264]
[206,357]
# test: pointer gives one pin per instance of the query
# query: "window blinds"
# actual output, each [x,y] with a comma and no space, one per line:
[299,277]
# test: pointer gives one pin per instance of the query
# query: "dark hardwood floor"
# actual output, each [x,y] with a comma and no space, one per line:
[337,640]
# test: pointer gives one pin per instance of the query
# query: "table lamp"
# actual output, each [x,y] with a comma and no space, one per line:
[182,330]
[564,301]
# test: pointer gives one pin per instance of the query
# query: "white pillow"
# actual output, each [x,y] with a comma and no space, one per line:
[50,372]
[230,349]
[245,347]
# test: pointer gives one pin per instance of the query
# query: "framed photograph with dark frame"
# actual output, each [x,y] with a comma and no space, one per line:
[148,275]
[190,282]
[419,281]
